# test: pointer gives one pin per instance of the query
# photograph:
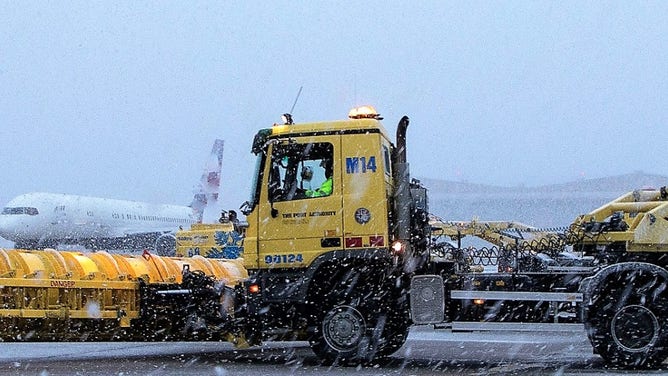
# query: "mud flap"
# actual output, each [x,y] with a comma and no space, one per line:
[427,299]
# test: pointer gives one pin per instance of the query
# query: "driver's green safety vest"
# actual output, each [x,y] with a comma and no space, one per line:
[325,189]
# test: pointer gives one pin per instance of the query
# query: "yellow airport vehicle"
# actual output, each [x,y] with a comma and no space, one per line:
[58,295]
[634,223]
[220,240]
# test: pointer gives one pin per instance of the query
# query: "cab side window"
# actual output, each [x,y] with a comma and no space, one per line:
[301,171]
[386,160]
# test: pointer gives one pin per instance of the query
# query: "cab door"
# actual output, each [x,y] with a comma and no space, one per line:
[303,217]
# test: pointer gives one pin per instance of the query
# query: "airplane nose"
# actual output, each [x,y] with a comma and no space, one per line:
[4,230]
[12,227]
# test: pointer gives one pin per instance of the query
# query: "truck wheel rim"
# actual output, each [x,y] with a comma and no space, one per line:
[635,328]
[343,327]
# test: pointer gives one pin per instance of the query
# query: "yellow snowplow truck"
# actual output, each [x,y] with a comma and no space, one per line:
[335,229]
[340,250]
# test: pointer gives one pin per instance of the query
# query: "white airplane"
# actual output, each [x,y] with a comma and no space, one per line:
[43,220]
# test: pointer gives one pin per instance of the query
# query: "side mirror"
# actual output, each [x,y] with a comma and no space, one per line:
[246,208]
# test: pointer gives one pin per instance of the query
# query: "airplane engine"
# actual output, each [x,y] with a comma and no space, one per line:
[165,245]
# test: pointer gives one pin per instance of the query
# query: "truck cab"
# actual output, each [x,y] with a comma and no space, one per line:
[291,220]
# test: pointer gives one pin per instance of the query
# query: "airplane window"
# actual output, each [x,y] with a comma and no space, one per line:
[20,210]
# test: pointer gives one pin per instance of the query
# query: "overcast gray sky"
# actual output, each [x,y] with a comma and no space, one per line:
[124,99]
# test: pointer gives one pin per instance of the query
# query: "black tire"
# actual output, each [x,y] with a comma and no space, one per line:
[343,333]
[342,337]
[350,323]
[628,320]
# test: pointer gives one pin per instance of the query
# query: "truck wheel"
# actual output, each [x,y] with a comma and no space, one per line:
[628,321]
[356,318]
[347,314]
[344,331]
[354,334]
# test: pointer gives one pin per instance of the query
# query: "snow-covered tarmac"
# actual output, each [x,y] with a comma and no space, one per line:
[426,352]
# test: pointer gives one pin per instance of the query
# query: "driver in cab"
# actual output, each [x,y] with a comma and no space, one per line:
[328,185]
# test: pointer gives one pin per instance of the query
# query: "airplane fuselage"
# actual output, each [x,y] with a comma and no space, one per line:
[37,220]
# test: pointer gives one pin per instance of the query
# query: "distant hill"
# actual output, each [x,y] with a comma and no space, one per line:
[624,183]
[447,186]
[619,183]
[553,205]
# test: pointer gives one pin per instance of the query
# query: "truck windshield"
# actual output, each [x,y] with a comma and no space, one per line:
[255,189]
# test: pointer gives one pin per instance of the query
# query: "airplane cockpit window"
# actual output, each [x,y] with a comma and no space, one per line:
[300,171]
[20,210]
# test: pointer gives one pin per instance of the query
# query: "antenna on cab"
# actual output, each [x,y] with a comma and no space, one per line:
[287,118]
